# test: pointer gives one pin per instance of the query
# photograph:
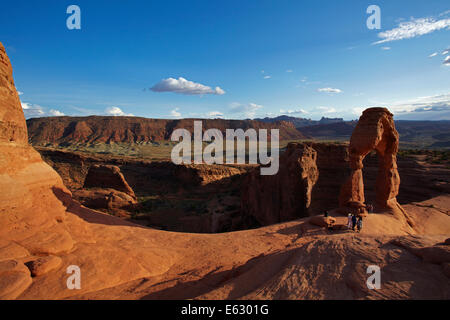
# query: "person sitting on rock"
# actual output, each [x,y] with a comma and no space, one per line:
[354,222]
[360,224]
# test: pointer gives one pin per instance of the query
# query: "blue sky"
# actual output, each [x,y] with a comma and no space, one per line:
[231,59]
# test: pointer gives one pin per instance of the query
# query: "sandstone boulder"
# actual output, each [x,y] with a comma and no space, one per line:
[284,196]
[43,265]
[97,198]
[322,221]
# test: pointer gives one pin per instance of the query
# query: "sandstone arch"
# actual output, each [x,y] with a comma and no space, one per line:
[375,131]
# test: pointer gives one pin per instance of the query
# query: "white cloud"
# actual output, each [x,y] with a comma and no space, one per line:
[289,71]
[116,111]
[444,13]
[249,110]
[434,103]
[56,113]
[434,54]
[327,109]
[267,77]
[32,110]
[431,107]
[290,111]
[19,93]
[26,105]
[446,51]
[329,90]
[385,48]
[215,114]
[358,110]
[413,28]
[183,86]
[175,113]
[447,61]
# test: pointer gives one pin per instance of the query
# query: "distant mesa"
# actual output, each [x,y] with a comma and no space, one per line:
[101,129]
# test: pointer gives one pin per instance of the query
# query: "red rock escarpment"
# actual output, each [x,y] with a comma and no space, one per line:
[101,129]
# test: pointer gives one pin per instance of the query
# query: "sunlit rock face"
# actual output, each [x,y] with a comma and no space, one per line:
[375,131]
[43,231]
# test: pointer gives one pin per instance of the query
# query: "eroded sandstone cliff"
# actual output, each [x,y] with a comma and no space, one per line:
[285,196]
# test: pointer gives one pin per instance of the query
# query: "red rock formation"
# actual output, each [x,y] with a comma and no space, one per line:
[108,200]
[322,221]
[12,120]
[29,208]
[43,265]
[286,195]
[375,131]
[107,176]
[332,163]
[106,189]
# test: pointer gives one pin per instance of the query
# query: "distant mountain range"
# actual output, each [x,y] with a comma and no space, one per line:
[420,134]
[102,129]
[301,122]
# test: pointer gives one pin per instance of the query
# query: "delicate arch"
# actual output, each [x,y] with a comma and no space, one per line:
[375,131]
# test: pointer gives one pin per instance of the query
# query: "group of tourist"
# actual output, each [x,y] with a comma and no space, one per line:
[354,223]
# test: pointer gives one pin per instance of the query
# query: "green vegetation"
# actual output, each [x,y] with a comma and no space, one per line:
[148,151]
[158,151]
[430,156]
